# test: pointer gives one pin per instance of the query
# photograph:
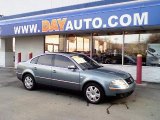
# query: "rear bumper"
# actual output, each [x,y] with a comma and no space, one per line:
[129,90]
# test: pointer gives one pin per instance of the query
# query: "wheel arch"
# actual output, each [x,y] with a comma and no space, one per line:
[25,73]
[92,81]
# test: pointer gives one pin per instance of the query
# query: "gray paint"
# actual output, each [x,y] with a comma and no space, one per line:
[74,79]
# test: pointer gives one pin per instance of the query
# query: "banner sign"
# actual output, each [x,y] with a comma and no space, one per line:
[103,19]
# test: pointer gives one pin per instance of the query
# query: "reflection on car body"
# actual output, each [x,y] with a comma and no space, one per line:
[77,72]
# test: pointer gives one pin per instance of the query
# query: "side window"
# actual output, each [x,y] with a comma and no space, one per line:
[45,60]
[34,60]
[62,61]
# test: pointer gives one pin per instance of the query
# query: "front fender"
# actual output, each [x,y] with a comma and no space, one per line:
[102,83]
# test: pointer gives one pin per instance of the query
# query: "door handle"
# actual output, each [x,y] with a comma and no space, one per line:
[54,71]
[35,68]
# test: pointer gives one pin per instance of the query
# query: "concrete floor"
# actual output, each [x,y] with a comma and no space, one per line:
[47,103]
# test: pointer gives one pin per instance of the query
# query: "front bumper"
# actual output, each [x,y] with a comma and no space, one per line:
[130,89]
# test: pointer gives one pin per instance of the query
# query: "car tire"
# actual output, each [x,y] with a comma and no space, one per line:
[93,93]
[29,82]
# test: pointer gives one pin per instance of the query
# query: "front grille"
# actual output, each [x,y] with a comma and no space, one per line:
[129,80]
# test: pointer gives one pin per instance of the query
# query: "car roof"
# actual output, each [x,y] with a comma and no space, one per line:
[69,54]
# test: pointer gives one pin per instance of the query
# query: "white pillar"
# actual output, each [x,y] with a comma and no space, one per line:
[9,54]
[2,53]
[6,52]
[123,48]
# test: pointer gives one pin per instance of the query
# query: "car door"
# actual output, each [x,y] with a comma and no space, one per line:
[62,76]
[43,69]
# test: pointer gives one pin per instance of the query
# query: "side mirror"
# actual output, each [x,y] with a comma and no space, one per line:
[73,67]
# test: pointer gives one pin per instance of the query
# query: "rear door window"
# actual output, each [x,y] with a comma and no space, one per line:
[34,60]
[45,60]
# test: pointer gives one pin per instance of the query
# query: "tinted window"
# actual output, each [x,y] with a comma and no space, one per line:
[62,61]
[45,60]
[34,60]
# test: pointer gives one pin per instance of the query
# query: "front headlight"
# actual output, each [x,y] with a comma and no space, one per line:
[118,84]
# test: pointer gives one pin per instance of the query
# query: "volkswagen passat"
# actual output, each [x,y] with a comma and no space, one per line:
[77,72]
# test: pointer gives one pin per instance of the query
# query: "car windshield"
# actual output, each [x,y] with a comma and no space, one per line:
[85,62]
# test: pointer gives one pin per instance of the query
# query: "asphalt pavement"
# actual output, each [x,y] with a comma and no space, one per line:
[48,103]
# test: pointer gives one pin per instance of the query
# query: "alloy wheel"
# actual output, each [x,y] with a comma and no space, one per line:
[93,94]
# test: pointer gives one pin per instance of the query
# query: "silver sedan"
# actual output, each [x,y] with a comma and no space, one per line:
[77,72]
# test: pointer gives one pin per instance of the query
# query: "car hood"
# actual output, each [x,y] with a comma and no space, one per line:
[113,72]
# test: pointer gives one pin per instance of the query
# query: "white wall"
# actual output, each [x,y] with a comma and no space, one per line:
[26,45]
